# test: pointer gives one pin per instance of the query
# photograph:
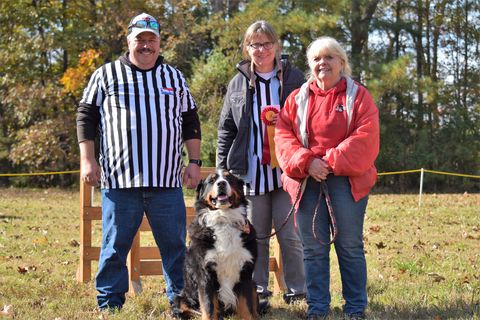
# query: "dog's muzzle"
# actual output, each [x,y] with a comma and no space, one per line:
[222,197]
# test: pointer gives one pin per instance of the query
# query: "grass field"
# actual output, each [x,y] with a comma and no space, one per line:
[423,263]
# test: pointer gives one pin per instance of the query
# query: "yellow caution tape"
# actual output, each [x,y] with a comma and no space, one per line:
[453,174]
[379,174]
[398,172]
[430,171]
[36,173]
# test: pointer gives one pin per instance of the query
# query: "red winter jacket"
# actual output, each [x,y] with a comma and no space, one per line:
[348,151]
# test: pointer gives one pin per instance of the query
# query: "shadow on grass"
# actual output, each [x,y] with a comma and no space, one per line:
[7,217]
[457,310]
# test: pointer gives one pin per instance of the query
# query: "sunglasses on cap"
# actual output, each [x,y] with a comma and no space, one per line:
[144,24]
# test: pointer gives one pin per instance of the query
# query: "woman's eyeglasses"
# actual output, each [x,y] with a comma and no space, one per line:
[143,24]
[258,45]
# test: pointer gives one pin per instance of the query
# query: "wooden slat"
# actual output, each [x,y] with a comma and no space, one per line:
[84,271]
[92,213]
[151,267]
[190,212]
[86,195]
[91,253]
[145,226]
[272,264]
[133,265]
[279,283]
[149,253]
[205,171]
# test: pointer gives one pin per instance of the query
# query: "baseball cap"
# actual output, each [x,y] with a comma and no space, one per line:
[143,23]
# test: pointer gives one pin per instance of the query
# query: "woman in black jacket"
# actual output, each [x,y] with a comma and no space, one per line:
[246,148]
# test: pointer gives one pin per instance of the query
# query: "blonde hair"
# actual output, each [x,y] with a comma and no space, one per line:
[256,28]
[327,45]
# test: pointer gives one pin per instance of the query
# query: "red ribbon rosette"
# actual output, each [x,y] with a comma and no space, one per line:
[268,148]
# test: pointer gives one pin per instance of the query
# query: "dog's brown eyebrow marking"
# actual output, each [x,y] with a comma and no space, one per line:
[212,177]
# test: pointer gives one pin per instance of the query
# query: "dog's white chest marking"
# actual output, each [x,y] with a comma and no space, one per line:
[229,253]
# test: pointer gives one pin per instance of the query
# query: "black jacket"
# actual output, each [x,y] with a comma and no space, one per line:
[235,120]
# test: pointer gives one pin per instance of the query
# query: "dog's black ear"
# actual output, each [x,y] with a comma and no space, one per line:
[200,188]
[240,183]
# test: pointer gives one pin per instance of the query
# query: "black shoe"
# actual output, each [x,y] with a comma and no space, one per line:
[291,297]
[263,293]
[263,307]
[355,316]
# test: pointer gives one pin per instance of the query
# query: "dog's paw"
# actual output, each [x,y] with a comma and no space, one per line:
[263,307]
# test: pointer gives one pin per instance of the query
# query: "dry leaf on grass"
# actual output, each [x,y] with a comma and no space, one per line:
[41,240]
[22,270]
[436,277]
[74,243]
[381,245]
[7,311]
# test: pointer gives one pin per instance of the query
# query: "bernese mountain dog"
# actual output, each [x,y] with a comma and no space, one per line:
[221,255]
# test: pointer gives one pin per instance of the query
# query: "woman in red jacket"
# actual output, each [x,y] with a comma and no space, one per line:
[328,133]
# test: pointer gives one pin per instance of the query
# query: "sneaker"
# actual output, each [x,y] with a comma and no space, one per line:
[263,293]
[355,316]
[291,297]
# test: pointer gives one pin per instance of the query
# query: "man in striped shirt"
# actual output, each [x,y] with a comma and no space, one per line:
[144,112]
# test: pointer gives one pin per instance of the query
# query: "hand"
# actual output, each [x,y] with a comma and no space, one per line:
[318,169]
[274,119]
[90,172]
[191,176]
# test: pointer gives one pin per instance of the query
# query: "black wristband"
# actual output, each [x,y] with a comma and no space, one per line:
[198,162]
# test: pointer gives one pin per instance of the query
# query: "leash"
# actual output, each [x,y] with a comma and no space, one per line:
[332,221]
[292,210]
[331,217]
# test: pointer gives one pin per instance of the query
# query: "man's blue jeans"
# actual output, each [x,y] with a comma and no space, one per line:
[349,216]
[122,212]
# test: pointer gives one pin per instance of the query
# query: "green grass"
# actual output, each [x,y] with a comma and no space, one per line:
[423,263]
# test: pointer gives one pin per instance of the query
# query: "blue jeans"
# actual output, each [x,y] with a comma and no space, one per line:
[349,216]
[122,213]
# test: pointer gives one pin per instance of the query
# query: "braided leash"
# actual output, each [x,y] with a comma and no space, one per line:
[292,211]
[332,221]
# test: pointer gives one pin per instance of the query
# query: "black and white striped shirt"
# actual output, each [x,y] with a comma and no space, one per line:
[262,178]
[141,115]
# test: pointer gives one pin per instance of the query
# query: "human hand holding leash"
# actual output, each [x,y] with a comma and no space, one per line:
[318,169]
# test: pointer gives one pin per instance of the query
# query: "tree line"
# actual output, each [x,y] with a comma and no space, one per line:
[418,58]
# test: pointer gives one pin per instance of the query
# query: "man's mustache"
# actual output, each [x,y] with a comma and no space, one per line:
[146,50]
